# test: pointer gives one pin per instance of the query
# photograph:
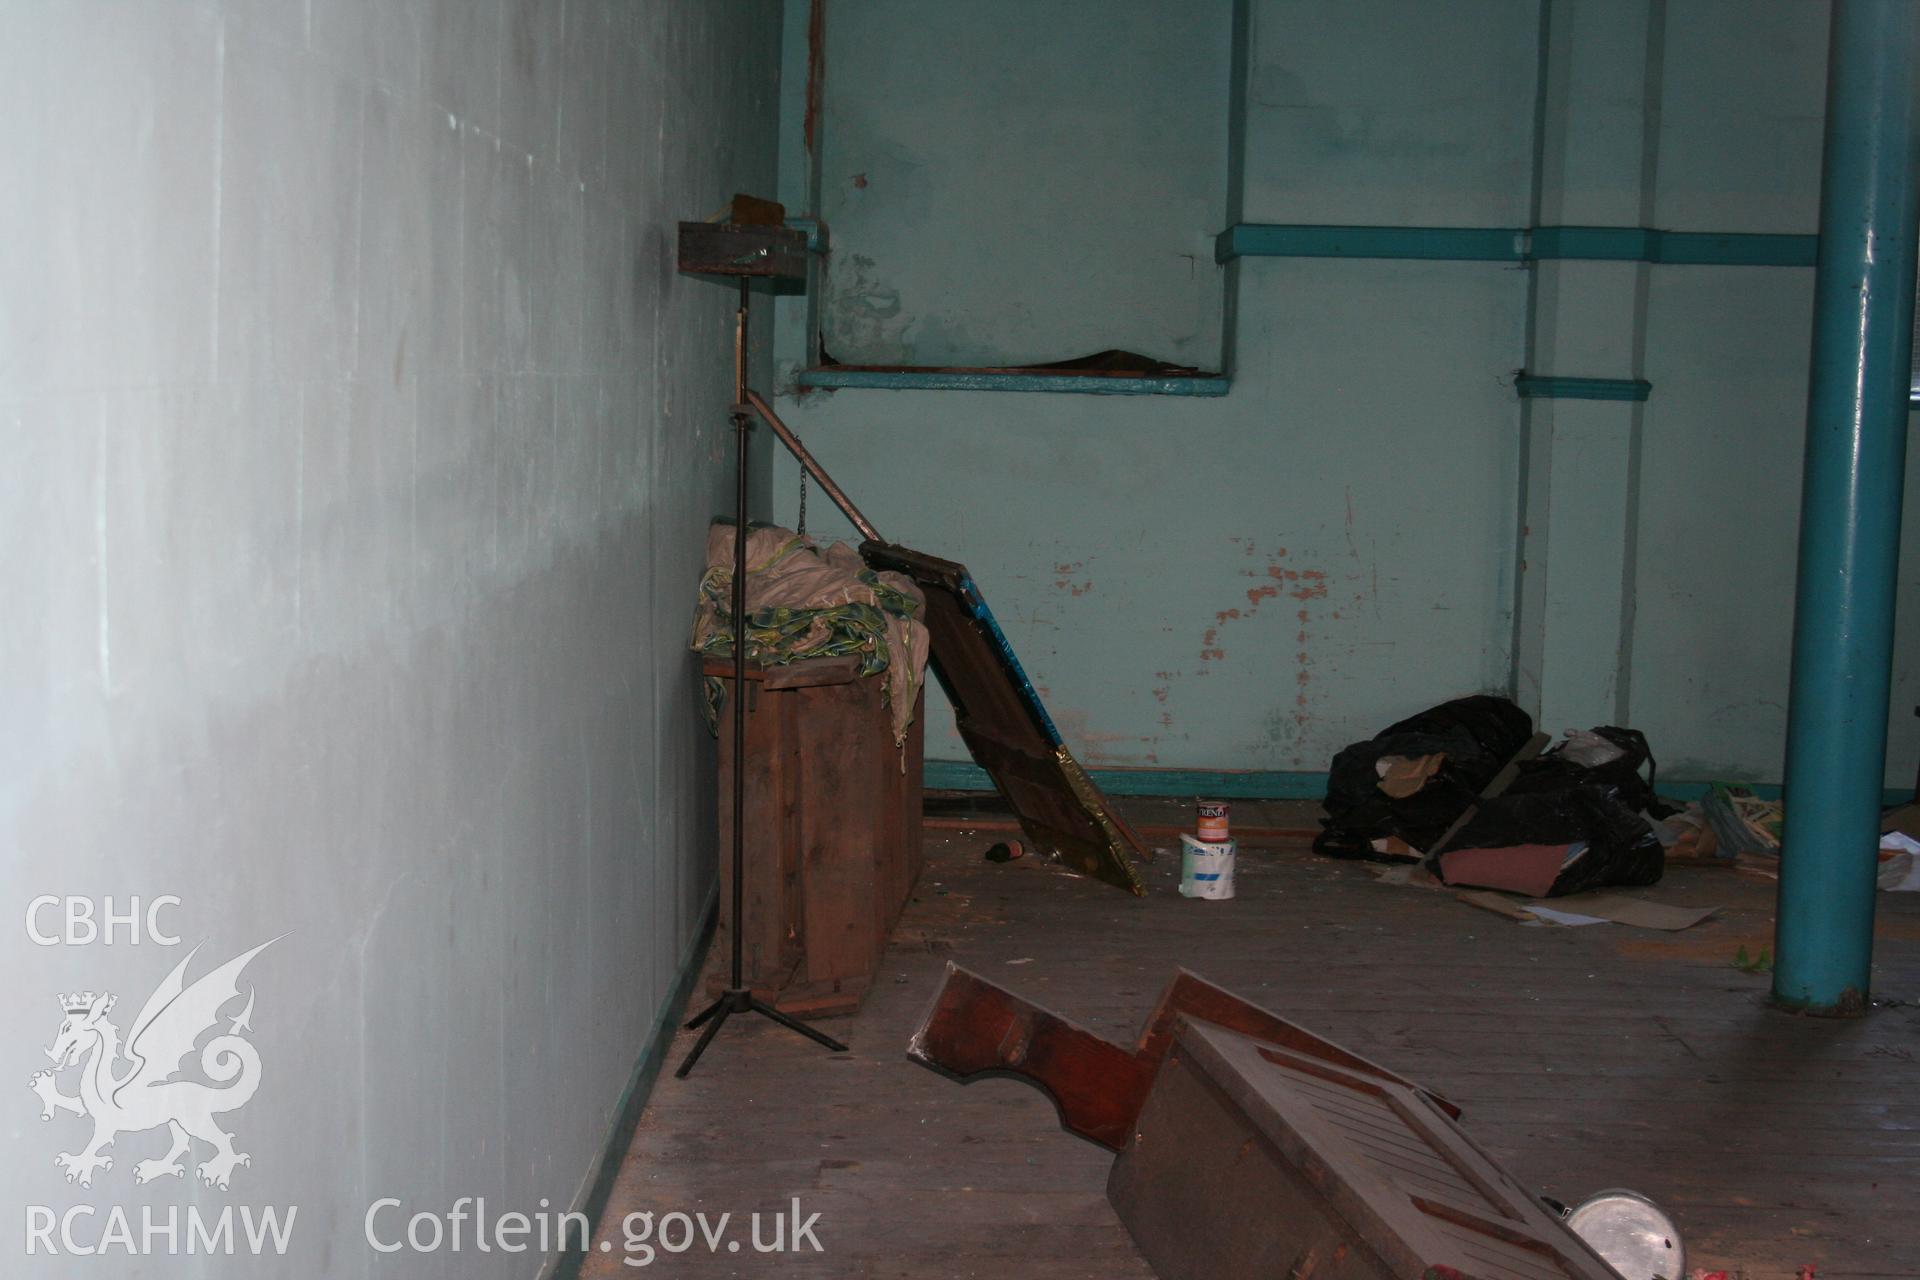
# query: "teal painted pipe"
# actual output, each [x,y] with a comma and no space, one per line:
[1850,510]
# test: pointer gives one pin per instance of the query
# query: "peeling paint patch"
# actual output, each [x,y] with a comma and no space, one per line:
[1066,573]
[1096,747]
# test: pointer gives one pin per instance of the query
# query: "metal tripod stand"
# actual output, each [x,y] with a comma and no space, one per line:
[738,997]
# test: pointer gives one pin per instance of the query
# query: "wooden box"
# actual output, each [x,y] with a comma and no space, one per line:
[833,841]
[1250,1160]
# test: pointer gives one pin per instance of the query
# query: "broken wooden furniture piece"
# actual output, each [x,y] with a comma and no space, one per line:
[999,715]
[977,1028]
[1251,1147]
[832,825]
[1253,1160]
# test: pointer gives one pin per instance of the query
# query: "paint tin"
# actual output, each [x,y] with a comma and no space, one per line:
[1212,823]
[1206,868]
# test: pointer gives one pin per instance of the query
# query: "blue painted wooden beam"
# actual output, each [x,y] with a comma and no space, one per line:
[963,380]
[1549,387]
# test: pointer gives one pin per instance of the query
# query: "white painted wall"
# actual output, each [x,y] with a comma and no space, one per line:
[359,441]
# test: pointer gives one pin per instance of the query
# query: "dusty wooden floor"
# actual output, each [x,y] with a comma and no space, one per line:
[1584,1058]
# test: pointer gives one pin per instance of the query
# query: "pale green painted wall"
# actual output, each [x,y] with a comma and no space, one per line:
[1019,182]
[1372,434]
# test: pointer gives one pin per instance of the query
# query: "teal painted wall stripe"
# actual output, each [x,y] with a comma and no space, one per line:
[964,775]
[1253,784]
[1504,244]
[960,380]
[1603,244]
[1270,240]
[1548,387]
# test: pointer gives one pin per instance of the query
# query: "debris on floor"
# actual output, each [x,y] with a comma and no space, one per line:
[1466,788]
[1590,908]
[1743,824]
[976,1027]
[1899,863]
[1575,909]
[1469,738]
[1529,869]
[1249,1146]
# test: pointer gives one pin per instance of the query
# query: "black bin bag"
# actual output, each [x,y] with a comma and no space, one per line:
[1621,846]
[1479,734]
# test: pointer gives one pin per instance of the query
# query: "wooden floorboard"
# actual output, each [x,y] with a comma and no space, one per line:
[1584,1058]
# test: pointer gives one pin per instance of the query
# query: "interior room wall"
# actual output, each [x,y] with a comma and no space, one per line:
[1250,582]
[361,441]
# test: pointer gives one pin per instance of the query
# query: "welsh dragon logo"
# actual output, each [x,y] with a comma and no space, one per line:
[146,1093]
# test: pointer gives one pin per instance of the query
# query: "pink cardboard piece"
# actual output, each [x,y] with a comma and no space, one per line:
[1522,868]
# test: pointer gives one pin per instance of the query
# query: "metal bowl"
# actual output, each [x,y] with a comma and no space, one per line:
[1632,1233]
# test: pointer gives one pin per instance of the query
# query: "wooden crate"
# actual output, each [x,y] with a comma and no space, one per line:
[833,841]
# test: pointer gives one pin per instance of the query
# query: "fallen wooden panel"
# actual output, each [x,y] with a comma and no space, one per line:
[1252,1160]
[975,1027]
[1007,729]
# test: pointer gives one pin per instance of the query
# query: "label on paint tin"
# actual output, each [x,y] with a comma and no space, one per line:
[1211,821]
[1206,868]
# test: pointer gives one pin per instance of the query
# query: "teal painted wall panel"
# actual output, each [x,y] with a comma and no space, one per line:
[1114,534]
[1010,183]
[1719,522]
[1719,513]
[1249,582]
[1742,101]
[1388,113]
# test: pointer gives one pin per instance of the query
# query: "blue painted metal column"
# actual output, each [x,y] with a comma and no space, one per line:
[1850,510]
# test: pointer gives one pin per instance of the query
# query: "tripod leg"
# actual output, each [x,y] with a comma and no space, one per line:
[719,1014]
[706,1013]
[794,1024]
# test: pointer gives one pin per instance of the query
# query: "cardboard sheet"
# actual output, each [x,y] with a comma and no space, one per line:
[1587,908]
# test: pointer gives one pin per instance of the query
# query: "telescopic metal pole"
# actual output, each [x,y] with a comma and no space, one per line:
[738,997]
[741,425]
